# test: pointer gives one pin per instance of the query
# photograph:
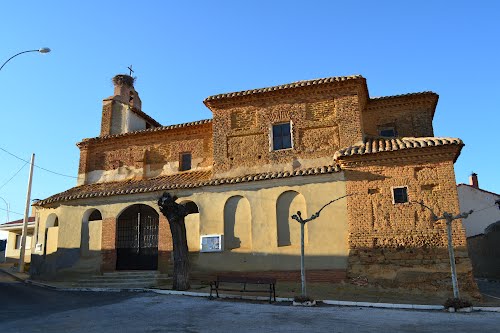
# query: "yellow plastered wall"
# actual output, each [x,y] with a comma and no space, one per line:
[52,240]
[13,254]
[255,216]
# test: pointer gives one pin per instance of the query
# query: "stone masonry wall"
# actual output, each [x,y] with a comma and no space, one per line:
[322,121]
[398,245]
[409,116]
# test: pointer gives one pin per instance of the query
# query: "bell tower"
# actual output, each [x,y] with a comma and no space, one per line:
[121,113]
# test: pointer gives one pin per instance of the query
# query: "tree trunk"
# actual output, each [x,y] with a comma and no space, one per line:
[175,214]
[181,258]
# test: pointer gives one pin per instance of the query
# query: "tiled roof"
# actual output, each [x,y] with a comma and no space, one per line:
[145,116]
[423,93]
[149,130]
[479,189]
[284,86]
[377,145]
[178,181]
[17,222]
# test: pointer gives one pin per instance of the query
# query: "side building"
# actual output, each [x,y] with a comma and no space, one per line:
[482,228]
[266,154]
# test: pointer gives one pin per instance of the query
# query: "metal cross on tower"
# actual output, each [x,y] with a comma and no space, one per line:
[130,70]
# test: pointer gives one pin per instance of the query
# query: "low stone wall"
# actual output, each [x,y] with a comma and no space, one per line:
[411,268]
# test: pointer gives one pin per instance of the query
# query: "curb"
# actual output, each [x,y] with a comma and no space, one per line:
[251,298]
[93,289]
[12,275]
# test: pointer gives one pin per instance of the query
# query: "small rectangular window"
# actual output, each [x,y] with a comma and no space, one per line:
[282,136]
[400,194]
[185,161]
[387,132]
[18,242]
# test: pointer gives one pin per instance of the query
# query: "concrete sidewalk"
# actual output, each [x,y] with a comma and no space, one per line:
[341,294]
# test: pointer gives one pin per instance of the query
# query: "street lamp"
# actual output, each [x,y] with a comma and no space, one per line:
[42,50]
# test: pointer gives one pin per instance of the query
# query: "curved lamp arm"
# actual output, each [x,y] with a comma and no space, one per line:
[42,50]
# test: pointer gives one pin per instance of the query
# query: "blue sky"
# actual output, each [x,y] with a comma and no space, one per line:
[184,51]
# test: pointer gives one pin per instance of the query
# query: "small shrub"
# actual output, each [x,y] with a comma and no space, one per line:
[302,299]
[457,303]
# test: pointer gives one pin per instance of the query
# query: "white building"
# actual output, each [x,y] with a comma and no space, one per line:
[482,202]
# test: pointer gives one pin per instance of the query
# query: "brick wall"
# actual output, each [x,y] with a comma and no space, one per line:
[409,115]
[323,121]
[399,244]
[108,244]
[106,118]
[165,246]
[151,150]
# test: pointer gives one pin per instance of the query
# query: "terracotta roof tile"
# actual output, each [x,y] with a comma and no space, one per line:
[422,93]
[377,145]
[149,130]
[17,222]
[181,180]
[296,84]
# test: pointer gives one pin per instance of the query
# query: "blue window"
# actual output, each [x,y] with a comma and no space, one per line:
[282,136]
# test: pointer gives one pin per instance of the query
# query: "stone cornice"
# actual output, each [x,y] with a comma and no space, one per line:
[297,88]
[86,142]
[428,98]
[402,156]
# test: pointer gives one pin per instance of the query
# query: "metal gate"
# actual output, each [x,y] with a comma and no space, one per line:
[137,239]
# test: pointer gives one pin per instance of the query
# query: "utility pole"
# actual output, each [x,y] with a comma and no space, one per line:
[449,218]
[26,217]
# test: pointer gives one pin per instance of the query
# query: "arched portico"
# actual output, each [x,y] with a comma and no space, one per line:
[137,238]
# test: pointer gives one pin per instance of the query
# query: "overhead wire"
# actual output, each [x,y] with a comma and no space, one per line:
[10,211]
[13,175]
[36,166]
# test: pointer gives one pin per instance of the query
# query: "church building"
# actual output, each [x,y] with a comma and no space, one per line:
[265,154]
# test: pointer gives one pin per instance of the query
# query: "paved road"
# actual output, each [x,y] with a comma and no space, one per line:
[32,309]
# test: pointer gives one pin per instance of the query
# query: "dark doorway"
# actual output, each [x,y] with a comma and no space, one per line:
[137,239]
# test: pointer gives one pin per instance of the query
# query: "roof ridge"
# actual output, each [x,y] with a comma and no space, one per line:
[148,130]
[80,190]
[480,189]
[295,84]
[427,92]
[372,145]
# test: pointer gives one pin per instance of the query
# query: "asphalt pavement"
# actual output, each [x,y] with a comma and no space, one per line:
[26,308]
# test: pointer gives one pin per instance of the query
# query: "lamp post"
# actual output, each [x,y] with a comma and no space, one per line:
[42,50]
[7,206]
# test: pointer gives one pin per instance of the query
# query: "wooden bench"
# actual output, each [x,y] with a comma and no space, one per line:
[240,284]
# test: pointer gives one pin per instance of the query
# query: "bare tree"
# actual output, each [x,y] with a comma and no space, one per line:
[175,214]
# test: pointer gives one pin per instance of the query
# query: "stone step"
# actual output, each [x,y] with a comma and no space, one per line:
[127,277]
[124,280]
[131,273]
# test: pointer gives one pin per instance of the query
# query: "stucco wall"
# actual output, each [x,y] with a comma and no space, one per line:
[326,245]
[12,254]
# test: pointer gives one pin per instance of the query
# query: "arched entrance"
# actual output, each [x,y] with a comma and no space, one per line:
[137,238]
